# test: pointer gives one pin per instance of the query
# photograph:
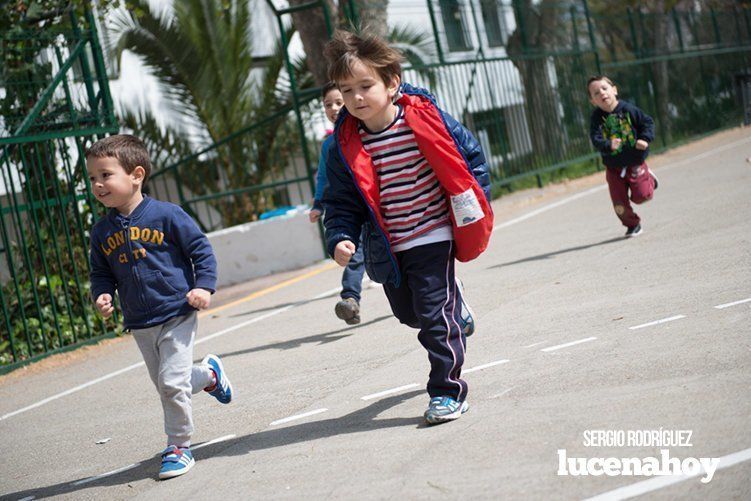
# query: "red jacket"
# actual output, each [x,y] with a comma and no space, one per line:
[452,152]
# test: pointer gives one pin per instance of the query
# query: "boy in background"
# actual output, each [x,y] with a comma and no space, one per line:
[621,132]
[348,308]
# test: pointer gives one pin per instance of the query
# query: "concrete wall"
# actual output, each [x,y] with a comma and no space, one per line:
[264,247]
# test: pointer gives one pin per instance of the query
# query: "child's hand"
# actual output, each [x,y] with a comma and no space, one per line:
[615,143]
[314,215]
[641,144]
[343,252]
[104,305]
[199,298]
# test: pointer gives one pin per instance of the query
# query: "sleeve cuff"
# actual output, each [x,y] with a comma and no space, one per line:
[209,285]
[95,293]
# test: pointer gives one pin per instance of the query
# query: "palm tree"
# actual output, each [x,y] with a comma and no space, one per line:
[202,57]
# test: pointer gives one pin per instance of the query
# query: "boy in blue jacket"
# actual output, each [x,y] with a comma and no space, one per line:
[163,269]
[416,182]
[348,308]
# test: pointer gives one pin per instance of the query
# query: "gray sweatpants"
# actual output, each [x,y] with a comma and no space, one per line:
[167,350]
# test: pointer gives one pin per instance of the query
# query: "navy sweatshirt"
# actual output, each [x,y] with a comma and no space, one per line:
[626,122]
[152,258]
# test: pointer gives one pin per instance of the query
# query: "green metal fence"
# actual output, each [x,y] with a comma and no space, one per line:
[55,99]
[244,176]
[528,107]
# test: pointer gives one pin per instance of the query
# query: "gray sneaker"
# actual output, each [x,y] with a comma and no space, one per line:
[442,409]
[348,310]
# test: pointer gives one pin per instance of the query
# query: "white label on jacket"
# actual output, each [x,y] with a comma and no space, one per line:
[466,208]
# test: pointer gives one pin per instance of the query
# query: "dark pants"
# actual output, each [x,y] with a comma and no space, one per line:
[352,276]
[639,182]
[428,299]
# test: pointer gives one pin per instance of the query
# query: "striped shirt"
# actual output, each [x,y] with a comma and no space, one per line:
[413,203]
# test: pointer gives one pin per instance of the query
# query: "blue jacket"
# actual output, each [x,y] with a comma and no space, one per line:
[352,197]
[321,179]
[152,258]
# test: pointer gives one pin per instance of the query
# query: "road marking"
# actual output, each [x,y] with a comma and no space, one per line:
[108,474]
[139,364]
[135,465]
[548,207]
[212,442]
[389,392]
[27,498]
[655,483]
[485,366]
[662,321]
[298,416]
[534,344]
[728,305]
[706,153]
[72,390]
[566,345]
[602,187]
[267,290]
[499,395]
[265,316]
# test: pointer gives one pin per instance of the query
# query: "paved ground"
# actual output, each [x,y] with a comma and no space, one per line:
[566,343]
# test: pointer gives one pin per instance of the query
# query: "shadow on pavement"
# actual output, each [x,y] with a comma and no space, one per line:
[326,337]
[355,422]
[549,255]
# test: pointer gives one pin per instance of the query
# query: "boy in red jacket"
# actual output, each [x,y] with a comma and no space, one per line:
[417,180]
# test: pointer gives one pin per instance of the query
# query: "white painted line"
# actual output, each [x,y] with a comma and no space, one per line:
[548,207]
[212,442]
[72,390]
[265,316]
[655,483]
[134,465]
[139,364]
[298,416]
[485,366]
[706,153]
[602,187]
[728,305]
[566,345]
[27,498]
[389,392]
[499,395]
[656,322]
[534,344]
[108,474]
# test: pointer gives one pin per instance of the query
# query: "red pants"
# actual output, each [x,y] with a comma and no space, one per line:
[638,181]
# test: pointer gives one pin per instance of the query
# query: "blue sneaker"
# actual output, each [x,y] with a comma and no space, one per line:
[176,461]
[222,390]
[467,315]
[442,409]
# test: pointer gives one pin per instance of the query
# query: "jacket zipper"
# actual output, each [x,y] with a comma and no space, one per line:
[125,223]
[370,209]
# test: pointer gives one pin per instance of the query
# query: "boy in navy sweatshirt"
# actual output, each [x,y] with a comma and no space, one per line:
[163,269]
[621,132]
